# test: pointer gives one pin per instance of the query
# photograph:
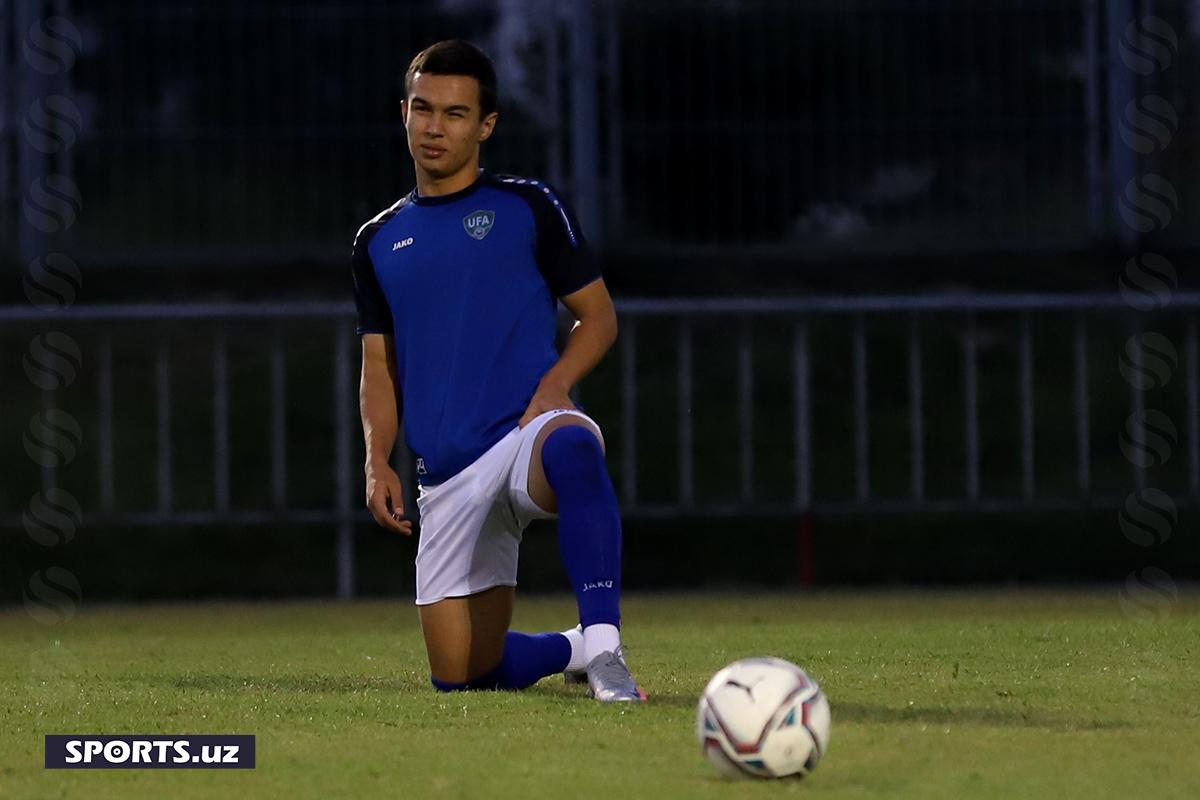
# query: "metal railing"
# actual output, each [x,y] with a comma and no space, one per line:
[825,405]
[1085,314]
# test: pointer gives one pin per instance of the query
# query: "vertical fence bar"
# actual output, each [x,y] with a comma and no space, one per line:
[584,103]
[862,476]
[916,403]
[1021,134]
[105,440]
[342,458]
[629,412]
[278,422]
[1092,88]
[32,166]
[1083,458]
[802,414]
[1122,85]
[971,406]
[163,403]
[746,410]
[221,422]
[8,182]
[554,102]
[48,401]
[686,451]
[1193,406]
[612,115]
[63,162]
[1026,389]
[1137,399]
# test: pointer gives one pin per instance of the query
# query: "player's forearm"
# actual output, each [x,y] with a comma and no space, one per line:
[380,415]
[586,346]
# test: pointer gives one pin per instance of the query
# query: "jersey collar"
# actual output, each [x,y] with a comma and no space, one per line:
[442,199]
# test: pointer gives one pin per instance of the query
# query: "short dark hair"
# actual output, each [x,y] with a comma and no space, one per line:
[456,57]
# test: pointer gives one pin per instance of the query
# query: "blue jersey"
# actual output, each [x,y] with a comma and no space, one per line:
[467,283]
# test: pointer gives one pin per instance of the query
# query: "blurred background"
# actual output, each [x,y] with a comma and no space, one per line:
[903,285]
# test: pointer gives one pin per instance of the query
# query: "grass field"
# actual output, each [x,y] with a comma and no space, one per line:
[954,695]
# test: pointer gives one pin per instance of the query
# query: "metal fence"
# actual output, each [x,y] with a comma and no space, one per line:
[205,133]
[200,133]
[244,415]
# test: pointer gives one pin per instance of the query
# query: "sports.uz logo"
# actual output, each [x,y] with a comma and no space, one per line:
[478,223]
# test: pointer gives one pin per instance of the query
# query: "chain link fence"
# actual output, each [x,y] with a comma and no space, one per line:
[254,132]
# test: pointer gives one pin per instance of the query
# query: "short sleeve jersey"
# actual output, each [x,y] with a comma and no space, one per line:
[467,283]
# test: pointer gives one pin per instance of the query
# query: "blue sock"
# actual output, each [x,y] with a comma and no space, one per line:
[589,523]
[528,657]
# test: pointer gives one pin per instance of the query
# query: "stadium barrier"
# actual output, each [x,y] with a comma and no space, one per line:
[855,385]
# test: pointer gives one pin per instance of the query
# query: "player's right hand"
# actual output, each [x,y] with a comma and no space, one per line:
[385,499]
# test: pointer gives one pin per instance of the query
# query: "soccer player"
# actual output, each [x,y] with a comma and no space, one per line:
[456,288]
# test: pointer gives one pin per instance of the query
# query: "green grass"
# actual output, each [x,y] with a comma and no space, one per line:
[955,695]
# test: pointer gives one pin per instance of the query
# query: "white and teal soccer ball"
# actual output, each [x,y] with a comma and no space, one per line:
[764,718]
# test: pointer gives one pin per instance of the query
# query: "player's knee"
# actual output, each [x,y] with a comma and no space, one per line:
[487,682]
[573,447]
[448,686]
[450,672]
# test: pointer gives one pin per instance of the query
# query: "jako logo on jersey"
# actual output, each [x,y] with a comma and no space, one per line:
[478,223]
[598,585]
[402,244]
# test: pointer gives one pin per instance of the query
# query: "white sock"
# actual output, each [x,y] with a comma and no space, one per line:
[598,639]
[577,663]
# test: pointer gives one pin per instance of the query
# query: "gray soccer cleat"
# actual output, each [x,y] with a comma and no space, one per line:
[610,681]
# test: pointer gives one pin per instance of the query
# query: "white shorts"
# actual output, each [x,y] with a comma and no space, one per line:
[471,525]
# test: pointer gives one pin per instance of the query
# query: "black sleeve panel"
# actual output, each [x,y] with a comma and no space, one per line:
[563,256]
[374,316]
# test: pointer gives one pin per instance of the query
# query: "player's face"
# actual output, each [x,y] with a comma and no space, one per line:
[444,123]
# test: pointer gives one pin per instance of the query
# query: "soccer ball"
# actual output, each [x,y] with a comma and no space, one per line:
[763,717]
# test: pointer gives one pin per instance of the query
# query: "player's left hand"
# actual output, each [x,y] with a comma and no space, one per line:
[549,396]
